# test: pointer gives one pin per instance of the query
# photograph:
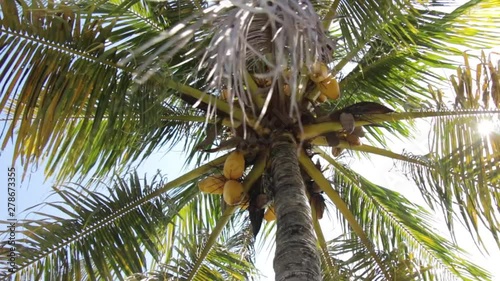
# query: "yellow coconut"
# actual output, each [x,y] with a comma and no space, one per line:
[319,72]
[234,165]
[330,88]
[234,192]
[212,184]
[270,215]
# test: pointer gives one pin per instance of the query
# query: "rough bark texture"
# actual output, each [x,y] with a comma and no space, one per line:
[296,253]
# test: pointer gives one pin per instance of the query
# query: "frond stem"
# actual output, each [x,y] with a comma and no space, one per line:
[318,177]
[370,149]
[327,21]
[314,130]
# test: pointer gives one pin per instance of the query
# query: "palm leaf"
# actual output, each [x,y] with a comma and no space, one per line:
[391,219]
[463,177]
[80,108]
[97,234]
[383,47]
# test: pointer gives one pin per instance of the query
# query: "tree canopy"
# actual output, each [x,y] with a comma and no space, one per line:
[93,86]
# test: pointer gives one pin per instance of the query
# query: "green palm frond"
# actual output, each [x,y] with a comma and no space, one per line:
[228,259]
[97,234]
[104,236]
[407,44]
[50,239]
[359,21]
[390,219]
[81,108]
[464,175]
[357,263]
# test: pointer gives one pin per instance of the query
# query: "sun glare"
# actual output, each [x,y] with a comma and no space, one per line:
[486,127]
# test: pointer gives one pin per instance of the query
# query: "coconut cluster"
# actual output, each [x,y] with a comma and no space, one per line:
[229,184]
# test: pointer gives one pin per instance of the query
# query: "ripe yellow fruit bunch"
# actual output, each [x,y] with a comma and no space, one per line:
[227,184]
[327,84]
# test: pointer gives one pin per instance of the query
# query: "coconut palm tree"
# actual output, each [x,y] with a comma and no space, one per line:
[92,87]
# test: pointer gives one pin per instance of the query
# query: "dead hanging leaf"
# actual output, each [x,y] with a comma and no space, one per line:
[318,165]
[211,132]
[315,188]
[485,86]
[495,84]
[467,80]
[319,205]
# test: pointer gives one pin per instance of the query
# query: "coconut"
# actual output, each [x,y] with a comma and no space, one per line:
[234,192]
[234,165]
[353,140]
[319,72]
[336,151]
[225,95]
[358,131]
[330,88]
[212,184]
[347,121]
[287,90]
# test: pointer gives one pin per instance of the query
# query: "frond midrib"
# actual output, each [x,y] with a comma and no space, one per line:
[395,222]
[61,48]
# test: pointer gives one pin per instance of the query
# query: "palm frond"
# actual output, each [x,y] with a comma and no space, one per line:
[407,45]
[390,219]
[68,98]
[379,48]
[189,234]
[357,261]
[97,234]
[464,177]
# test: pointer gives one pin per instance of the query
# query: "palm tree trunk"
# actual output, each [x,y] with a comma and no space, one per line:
[296,255]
